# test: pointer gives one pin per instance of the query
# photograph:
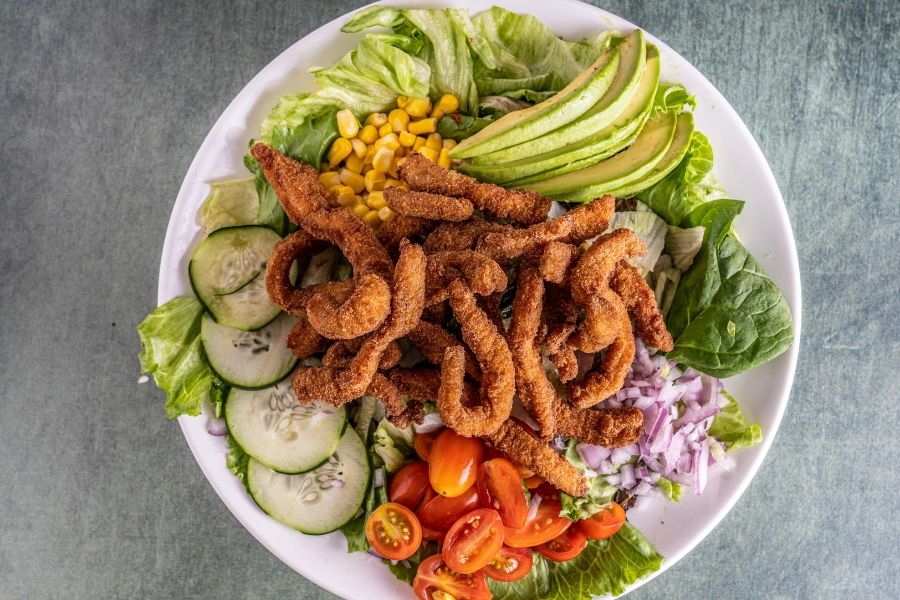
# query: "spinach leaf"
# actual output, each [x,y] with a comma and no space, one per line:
[463,126]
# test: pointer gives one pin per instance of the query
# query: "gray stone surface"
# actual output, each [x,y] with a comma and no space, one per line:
[103,106]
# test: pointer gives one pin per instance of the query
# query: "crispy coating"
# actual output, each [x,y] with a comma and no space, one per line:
[515,442]
[402,227]
[428,206]
[432,340]
[562,320]
[590,220]
[641,304]
[338,386]
[607,379]
[437,313]
[483,275]
[557,261]
[609,427]
[298,246]
[460,236]
[421,383]
[490,304]
[340,354]
[521,206]
[308,204]
[535,392]
[401,416]
[304,340]
[507,245]
[604,316]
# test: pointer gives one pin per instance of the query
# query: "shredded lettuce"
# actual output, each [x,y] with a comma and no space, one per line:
[731,428]
[393,445]
[599,495]
[237,461]
[364,416]
[671,489]
[534,585]
[229,204]
[683,245]
[218,394]
[172,352]
[649,228]
[501,105]
[270,212]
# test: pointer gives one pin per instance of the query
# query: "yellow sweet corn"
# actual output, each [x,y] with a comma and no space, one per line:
[423,126]
[372,219]
[434,142]
[376,120]
[360,210]
[407,139]
[430,154]
[444,159]
[384,158]
[374,181]
[436,113]
[420,142]
[366,168]
[348,126]
[330,179]
[418,108]
[448,144]
[324,166]
[402,101]
[376,200]
[385,130]
[368,134]
[370,155]
[398,120]
[359,147]
[355,163]
[448,103]
[340,149]
[353,180]
[401,151]
[343,194]
[389,141]
[385,214]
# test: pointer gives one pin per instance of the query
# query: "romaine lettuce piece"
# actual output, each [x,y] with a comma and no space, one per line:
[599,495]
[237,461]
[731,428]
[229,204]
[683,245]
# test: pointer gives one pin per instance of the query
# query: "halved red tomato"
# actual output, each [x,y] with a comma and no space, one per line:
[534,481]
[604,523]
[453,463]
[410,485]
[424,441]
[491,454]
[510,564]
[500,488]
[434,575]
[563,547]
[545,525]
[394,531]
[473,541]
[441,512]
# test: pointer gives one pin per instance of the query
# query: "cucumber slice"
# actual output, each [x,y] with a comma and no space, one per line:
[286,436]
[310,502]
[224,264]
[249,360]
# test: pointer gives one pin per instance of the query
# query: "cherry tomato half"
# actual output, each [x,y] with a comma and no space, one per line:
[534,481]
[410,485]
[545,525]
[453,463]
[424,441]
[491,454]
[500,488]
[473,541]
[604,523]
[434,575]
[394,531]
[510,564]
[440,513]
[563,547]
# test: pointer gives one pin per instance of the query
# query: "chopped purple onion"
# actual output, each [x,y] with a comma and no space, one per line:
[533,506]
[432,422]
[592,455]
[628,478]
[217,427]
[320,416]
[379,477]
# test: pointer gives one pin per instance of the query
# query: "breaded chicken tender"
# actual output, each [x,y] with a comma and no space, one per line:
[428,206]
[641,304]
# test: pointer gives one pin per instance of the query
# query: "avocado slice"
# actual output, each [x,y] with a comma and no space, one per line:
[627,166]
[570,103]
[603,144]
[633,54]
[684,131]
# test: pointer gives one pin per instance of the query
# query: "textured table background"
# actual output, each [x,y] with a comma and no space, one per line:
[102,107]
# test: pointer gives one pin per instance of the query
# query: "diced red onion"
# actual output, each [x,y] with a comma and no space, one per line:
[217,427]
[533,506]
[663,440]
[337,483]
[374,553]
[615,480]
[642,356]
[606,467]
[628,478]
[717,452]
[642,472]
[701,462]
[589,473]
[321,416]
[558,443]
[432,422]
[643,488]
[379,477]
[592,455]
[696,416]
[672,453]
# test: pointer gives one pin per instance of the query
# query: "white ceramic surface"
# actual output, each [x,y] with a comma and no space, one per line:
[674,529]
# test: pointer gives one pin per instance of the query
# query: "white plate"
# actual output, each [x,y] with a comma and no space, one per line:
[674,529]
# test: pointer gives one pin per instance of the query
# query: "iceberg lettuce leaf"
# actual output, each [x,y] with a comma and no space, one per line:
[731,428]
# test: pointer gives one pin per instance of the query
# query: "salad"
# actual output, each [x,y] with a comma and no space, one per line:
[500,99]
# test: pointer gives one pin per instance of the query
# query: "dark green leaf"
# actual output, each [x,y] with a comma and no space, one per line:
[237,461]
[467,126]
[534,585]
[408,573]
[218,394]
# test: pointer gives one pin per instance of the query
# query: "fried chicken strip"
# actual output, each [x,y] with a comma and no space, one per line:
[402,227]
[483,275]
[432,341]
[641,304]
[296,247]
[562,320]
[515,442]
[304,340]
[557,261]
[428,206]
[390,396]
[521,206]
[341,353]
[607,379]
[504,246]
[590,220]
[460,236]
[610,427]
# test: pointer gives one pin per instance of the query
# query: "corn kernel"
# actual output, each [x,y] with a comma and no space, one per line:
[370,155]
[348,126]
[347,202]
[448,103]
[355,163]
[430,154]
[376,120]
[340,149]
[398,119]
[384,158]
[366,169]
[353,180]
[395,183]
[389,141]
[344,194]
[372,219]
[448,144]
[423,126]
[324,166]
[402,101]
[436,113]
[385,130]
[444,159]
[401,151]
[407,139]
[418,108]
[374,181]
[360,210]
[398,160]
[359,147]
[434,142]
[376,200]
[368,134]
[330,179]
[385,213]
[420,142]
